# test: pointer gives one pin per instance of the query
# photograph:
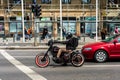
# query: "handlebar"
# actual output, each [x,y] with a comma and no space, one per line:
[51,42]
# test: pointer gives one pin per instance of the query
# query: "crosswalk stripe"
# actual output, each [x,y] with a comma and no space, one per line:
[29,72]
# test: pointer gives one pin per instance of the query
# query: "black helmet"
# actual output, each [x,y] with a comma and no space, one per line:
[69,35]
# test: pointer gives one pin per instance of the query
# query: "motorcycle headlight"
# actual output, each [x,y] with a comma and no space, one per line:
[87,49]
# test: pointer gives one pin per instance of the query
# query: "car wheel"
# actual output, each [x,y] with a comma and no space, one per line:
[100,56]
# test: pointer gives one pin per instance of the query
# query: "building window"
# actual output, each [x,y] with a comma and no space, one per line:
[90,27]
[66,1]
[86,1]
[1,26]
[17,1]
[15,26]
[12,24]
[47,22]
[46,1]
[69,24]
[113,3]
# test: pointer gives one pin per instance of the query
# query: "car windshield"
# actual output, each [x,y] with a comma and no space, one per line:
[109,39]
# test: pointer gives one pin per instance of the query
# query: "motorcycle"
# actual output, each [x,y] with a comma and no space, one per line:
[43,59]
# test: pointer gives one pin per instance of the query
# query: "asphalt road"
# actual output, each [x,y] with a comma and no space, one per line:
[20,65]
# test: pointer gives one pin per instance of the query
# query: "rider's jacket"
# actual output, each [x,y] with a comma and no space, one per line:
[70,44]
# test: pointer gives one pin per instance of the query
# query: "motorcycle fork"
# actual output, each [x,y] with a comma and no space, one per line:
[43,59]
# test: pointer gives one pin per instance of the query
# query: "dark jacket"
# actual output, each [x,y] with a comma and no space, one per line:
[25,32]
[45,31]
[71,44]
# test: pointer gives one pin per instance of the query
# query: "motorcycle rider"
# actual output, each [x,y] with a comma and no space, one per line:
[71,45]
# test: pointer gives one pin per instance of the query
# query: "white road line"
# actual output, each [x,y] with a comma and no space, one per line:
[29,72]
[27,50]
[24,56]
[101,66]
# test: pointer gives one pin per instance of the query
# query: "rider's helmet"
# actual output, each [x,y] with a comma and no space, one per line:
[69,35]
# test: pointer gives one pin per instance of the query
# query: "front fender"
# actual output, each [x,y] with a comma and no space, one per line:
[75,52]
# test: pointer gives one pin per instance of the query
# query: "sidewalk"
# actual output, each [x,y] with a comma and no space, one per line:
[9,44]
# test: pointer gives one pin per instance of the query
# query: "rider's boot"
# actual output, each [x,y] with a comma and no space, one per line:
[56,59]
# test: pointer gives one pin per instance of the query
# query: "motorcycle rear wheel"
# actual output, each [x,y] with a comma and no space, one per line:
[77,60]
[40,62]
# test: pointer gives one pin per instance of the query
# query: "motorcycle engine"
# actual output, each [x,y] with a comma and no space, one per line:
[66,56]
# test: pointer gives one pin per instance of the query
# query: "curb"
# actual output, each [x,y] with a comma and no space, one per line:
[31,47]
[17,46]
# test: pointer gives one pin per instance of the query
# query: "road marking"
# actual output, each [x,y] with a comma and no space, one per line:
[28,50]
[29,72]
[24,56]
[102,66]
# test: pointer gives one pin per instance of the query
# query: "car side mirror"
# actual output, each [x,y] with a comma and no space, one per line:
[115,41]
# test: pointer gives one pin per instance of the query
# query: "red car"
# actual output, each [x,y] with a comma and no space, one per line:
[103,50]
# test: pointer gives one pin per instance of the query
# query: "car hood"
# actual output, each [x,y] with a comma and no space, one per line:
[94,44]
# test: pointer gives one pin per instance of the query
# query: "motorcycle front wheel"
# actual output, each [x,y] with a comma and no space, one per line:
[42,61]
[77,60]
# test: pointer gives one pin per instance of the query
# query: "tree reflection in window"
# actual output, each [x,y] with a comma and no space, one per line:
[17,1]
[46,1]
[112,1]
[86,1]
[66,1]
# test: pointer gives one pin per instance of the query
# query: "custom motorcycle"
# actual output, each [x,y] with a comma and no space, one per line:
[43,59]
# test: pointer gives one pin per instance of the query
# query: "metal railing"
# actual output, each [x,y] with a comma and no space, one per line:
[51,6]
[69,7]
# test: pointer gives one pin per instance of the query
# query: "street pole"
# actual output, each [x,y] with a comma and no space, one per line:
[96,20]
[34,32]
[23,26]
[61,20]
[8,5]
[2,2]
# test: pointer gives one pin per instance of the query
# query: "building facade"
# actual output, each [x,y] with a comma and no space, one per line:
[78,16]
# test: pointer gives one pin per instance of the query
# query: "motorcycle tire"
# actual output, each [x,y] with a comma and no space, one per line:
[77,60]
[40,62]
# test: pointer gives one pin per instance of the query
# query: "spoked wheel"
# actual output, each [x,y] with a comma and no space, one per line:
[77,60]
[100,56]
[42,61]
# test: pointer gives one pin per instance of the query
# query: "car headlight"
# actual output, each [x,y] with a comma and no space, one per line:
[87,49]
[80,50]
